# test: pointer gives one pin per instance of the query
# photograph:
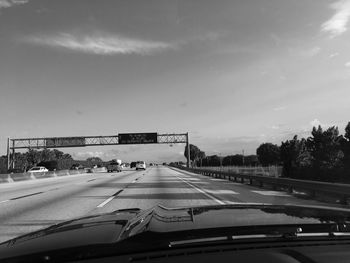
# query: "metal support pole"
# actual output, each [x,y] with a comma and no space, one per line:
[13,154]
[188,150]
[8,154]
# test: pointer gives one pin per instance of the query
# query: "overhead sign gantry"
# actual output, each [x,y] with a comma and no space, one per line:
[82,141]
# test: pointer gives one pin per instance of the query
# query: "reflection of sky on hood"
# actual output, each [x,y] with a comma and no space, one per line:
[232,217]
[232,73]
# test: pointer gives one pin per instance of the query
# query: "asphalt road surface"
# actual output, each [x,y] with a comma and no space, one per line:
[32,205]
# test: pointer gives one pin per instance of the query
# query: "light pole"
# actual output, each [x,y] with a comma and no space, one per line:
[243,157]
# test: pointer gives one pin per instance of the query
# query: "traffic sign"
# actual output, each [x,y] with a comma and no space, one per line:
[137,138]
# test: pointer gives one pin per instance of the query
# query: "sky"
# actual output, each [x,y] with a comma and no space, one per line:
[234,74]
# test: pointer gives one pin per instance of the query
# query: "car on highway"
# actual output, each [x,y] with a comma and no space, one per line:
[114,167]
[38,169]
[140,165]
[76,167]
[241,232]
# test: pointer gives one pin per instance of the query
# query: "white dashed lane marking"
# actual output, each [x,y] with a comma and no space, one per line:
[271,193]
[105,202]
[221,191]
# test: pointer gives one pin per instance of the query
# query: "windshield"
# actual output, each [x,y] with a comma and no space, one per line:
[212,103]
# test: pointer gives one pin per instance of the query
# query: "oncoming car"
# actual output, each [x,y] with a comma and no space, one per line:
[140,165]
[38,169]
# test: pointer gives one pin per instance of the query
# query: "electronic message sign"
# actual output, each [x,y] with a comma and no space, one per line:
[137,138]
[65,142]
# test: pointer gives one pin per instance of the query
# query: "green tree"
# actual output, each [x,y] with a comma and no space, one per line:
[32,157]
[68,156]
[201,156]
[58,154]
[251,160]
[268,154]
[47,155]
[212,160]
[324,147]
[345,147]
[91,161]
[195,153]
[294,155]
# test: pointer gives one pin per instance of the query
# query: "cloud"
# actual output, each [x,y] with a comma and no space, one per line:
[347,64]
[275,127]
[101,44]
[315,123]
[280,108]
[337,24]
[333,55]
[311,52]
[9,3]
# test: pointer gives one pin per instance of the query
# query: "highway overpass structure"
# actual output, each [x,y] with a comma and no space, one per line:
[83,141]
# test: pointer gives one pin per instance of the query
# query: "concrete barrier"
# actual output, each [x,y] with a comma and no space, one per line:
[99,170]
[4,178]
[18,177]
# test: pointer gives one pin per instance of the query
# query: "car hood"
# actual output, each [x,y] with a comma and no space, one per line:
[119,228]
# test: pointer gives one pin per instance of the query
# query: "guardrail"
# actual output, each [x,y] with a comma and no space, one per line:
[312,187]
[271,171]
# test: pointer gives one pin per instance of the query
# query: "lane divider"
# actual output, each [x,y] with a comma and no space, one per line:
[54,189]
[201,191]
[117,193]
[109,199]
[91,180]
[105,202]
[23,196]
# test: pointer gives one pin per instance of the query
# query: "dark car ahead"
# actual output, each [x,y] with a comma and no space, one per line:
[76,167]
[114,167]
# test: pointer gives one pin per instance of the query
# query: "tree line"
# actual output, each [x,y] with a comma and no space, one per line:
[51,159]
[199,159]
[324,156]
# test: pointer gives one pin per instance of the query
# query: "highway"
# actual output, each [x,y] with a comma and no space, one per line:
[32,205]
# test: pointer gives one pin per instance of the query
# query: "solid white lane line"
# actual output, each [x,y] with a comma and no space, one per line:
[201,191]
[105,202]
